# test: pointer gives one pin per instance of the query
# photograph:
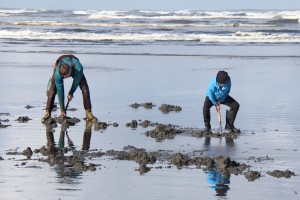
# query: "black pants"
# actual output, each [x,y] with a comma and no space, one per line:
[84,89]
[230,115]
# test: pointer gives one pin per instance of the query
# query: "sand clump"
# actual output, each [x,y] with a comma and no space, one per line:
[202,133]
[70,161]
[28,153]
[281,174]
[29,107]
[132,124]
[23,119]
[166,108]
[3,126]
[68,164]
[223,164]
[162,132]
[252,175]
[147,105]
[100,125]
[65,123]
[134,154]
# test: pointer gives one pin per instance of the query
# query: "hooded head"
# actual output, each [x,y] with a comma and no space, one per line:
[222,77]
[65,70]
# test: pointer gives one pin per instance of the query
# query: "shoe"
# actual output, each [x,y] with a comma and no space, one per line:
[46,117]
[90,116]
[230,118]
[207,128]
[235,130]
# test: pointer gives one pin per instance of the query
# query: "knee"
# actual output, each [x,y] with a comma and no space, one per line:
[51,93]
[85,90]
[236,106]
[205,109]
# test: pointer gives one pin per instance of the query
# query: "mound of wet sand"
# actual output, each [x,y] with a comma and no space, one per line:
[29,107]
[23,119]
[103,125]
[132,124]
[166,108]
[3,126]
[202,133]
[147,105]
[162,132]
[71,161]
[27,152]
[66,123]
[100,125]
[76,162]
[281,174]
[252,175]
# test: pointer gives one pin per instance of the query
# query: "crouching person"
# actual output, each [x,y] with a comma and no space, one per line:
[68,66]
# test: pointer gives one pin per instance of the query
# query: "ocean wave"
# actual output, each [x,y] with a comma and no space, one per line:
[166,15]
[44,23]
[193,15]
[284,21]
[144,25]
[17,11]
[241,37]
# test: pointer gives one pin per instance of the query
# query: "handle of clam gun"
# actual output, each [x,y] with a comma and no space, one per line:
[67,105]
[220,119]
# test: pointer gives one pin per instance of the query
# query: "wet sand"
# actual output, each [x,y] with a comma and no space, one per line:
[131,156]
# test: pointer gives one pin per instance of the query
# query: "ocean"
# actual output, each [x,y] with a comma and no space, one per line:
[138,27]
[163,57]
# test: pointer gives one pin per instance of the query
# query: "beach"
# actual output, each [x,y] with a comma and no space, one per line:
[121,72]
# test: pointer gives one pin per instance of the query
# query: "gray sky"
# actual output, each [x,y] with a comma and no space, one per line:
[153,4]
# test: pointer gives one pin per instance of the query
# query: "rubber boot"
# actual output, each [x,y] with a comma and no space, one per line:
[230,118]
[206,117]
[90,116]
[46,116]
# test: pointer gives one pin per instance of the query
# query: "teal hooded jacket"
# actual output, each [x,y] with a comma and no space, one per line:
[217,93]
[59,80]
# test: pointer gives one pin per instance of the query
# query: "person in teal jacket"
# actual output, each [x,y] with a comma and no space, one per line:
[218,93]
[68,66]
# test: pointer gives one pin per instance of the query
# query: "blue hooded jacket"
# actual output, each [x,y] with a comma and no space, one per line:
[59,80]
[217,93]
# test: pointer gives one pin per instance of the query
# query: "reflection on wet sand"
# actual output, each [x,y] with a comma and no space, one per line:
[228,141]
[68,165]
[218,182]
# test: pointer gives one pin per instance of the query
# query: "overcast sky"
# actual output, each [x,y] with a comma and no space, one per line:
[153,4]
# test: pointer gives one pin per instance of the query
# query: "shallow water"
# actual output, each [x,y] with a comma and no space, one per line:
[266,87]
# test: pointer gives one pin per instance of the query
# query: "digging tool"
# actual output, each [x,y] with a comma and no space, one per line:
[67,105]
[65,119]
[220,119]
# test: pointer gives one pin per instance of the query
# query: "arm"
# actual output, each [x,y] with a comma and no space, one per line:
[226,92]
[210,93]
[78,73]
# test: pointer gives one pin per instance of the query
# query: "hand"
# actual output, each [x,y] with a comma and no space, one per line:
[218,106]
[70,97]
[63,114]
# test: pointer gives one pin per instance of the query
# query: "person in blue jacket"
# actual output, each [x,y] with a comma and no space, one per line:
[218,93]
[68,66]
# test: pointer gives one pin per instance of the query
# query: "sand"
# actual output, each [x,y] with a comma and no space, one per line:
[137,150]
